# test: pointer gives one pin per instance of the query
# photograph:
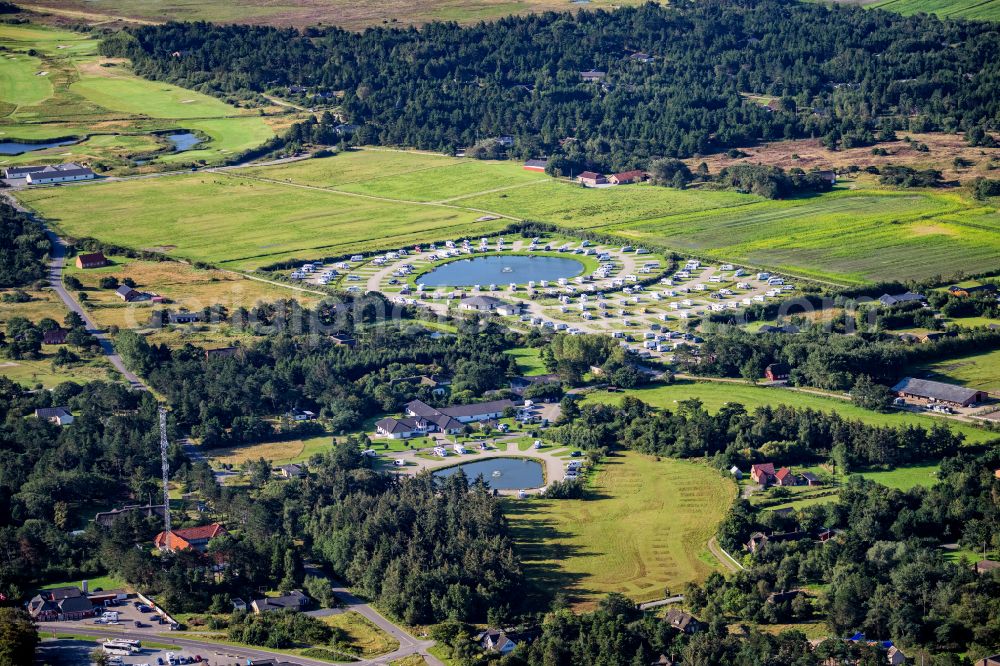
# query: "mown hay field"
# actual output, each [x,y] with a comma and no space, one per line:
[642,530]
[380,200]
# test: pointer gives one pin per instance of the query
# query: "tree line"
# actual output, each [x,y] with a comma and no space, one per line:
[839,73]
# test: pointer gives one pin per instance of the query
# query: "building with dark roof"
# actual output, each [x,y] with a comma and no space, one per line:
[294,600]
[482,303]
[56,336]
[682,622]
[421,418]
[950,394]
[91,260]
[592,178]
[777,372]
[907,297]
[57,173]
[536,165]
[109,518]
[58,415]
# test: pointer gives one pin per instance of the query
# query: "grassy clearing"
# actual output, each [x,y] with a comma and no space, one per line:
[714,395]
[186,287]
[412,660]
[97,582]
[904,478]
[529,362]
[641,530]
[21,82]
[981,10]
[978,371]
[279,453]
[381,199]
[362,634]
[240,222]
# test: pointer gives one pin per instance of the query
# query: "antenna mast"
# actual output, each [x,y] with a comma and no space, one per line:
[166,469]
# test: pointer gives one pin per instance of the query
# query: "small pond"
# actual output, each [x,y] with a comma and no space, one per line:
[183,141]
[502,473]
[19,148]
[501,270]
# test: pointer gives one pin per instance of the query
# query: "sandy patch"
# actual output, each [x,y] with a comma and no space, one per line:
[931,230]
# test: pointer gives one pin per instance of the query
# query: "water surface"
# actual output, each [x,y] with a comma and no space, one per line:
[502,473]
[501,270]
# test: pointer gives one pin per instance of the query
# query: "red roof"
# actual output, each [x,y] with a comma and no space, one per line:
[629,175]
[763,468]
[590,175]
[181,539]
[782,473]
[92,257]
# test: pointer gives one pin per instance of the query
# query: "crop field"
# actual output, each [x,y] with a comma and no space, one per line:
[301,13]
[642,529]
[53,84]
[715,394]
[380,199]
[982,10]
[978,371]
[278,453]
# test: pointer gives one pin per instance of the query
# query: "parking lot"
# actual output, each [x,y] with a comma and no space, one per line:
[77,652]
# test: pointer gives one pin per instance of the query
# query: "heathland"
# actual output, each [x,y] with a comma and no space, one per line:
[54,85]
[302,13]
[377,199]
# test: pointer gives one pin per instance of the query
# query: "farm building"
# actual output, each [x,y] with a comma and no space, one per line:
[641,57]
[626,177]
[950,394]
[536,165]
[784,478]
[592,178]
[91,260]
[183,317]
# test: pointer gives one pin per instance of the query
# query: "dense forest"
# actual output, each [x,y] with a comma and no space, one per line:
[830,360]
[841,73]
[233,399]
[23,244]
[779,434]
[884,572]
[48,474]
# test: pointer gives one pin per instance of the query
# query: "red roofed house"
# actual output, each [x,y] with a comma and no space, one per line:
[626,177]
[784,477]
[762,474]
[592,178]
[92,260]
[196,538]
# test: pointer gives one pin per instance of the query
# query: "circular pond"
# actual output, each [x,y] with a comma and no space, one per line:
[502,473]
[501,269]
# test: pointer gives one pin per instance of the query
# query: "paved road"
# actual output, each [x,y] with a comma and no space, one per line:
[57,260]
[408,644]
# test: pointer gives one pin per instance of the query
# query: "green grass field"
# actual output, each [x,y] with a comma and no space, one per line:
[529,363]
[982,10]
[84,95]
[382,199]
[978,371]
[243,223]
[643,528]
[714,395]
